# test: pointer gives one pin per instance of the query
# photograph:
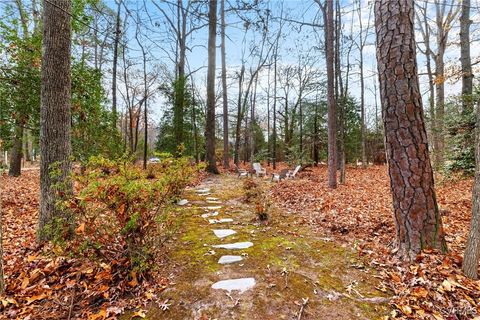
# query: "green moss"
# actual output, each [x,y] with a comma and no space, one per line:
[310,263]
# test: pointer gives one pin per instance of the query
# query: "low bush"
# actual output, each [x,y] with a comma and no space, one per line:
[123,212]
[255,194]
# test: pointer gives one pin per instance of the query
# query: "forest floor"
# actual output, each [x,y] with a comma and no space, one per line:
[332,247]
[289,271]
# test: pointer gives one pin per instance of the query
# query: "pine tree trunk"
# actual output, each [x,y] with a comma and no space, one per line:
[472,250]
[55,112]
[226,157]
[467,76]
[16,155]
[332,117]
[417,218]
[210,117]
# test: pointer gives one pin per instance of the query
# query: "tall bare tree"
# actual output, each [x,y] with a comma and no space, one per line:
[115,63]
[226,157]
[55,145]
[446,12]
[210,117]
[328,15]
[467,75]
[417,218]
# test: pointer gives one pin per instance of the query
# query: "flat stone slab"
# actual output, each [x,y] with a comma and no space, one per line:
[235,246]
[210,214]
[182,202]
[229,259]
[213,208]
[202,190]
[214,201]
[223,220]
[222,233]
[241,285]
[211,199]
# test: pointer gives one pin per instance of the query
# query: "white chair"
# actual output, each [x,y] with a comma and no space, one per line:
[292,174]
[241,172]
[259,171]
[279,176]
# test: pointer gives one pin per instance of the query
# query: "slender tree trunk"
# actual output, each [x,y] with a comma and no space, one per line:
[340,99]
[269,149]
[239,116]
[194,121]
[226,157]
[210,119]
[55,113]
[114,67]
[472,250]
[467,75]
[16,154]
[252,122]
[316,158]
[332,117]
[274,115]
[417,218]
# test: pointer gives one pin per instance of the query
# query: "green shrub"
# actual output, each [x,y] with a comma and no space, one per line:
[125,209]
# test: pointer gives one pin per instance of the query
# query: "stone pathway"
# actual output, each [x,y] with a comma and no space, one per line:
[226,265]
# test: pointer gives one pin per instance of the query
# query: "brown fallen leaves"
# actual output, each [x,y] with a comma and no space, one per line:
[360,213]
[48,283]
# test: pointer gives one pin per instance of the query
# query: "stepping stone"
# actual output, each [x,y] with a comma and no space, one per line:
[210,214]
[211,199]
[214,201]
[213,208]
[241,285]
[236,245]
[202,190]
[182,202]
[222,233]
[229,259]
[224,220]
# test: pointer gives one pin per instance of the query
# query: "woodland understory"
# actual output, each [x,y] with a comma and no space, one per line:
[45,283]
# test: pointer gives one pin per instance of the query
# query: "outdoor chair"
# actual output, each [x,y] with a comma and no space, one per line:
[241,172]
[259,171]
[292,174]
[279,176]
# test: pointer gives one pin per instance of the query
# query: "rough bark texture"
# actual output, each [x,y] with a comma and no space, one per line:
[226,157]
[472,250]
[332,117]
[16,155]
[114,67]
[467,76]
[55,120]
[210,119]
[417,218]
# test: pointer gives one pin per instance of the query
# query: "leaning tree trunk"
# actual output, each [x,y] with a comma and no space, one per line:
[16,156]
[472,250]
[55,119]
[417,218]
[210,119]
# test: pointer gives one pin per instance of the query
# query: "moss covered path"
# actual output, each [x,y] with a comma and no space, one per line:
[224,264]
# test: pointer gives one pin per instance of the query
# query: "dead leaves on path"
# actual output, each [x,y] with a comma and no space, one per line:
[48,283]
[360,213]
